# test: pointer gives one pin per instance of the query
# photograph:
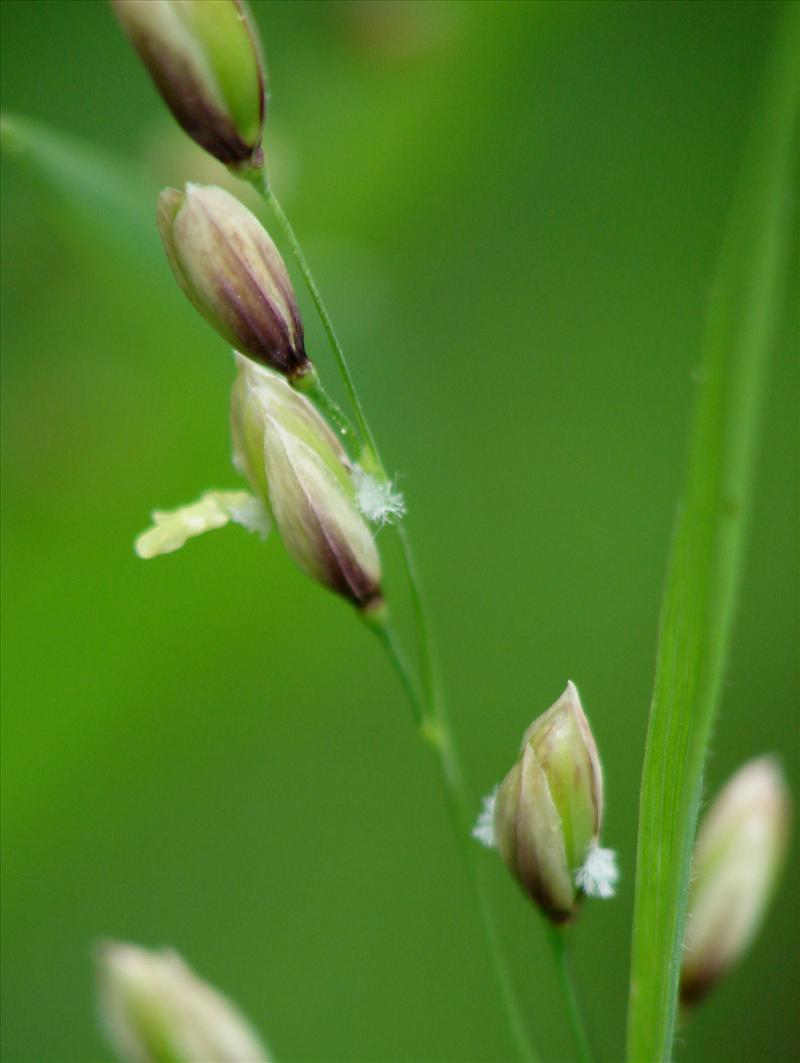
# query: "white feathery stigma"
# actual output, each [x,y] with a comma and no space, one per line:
[377,499]
[599,873]
[483,831]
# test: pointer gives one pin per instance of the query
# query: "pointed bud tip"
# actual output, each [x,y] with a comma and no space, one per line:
[765,771]
[571,700]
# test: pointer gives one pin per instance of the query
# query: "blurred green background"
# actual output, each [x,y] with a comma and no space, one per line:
[514,210]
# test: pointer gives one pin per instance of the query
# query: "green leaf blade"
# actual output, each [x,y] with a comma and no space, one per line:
[707,550]
[98,193]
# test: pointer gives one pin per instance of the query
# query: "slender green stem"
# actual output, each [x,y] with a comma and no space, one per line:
[429,710]
[311,385]
[425,649]
[431,716]
[558,940]
[387,637]
[707,549]
[433,728]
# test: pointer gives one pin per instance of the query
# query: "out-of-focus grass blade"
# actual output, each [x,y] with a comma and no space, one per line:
[85,185]
[707,548]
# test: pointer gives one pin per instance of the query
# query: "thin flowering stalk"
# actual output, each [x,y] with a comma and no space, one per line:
[387,637]
[425,649]
[428,709]
[558,942]
[311,386]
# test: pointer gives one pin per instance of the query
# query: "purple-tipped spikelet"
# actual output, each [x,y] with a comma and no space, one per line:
[227,265]
[205,59]
[295,463]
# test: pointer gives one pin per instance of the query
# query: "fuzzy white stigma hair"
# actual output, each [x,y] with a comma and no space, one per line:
[598,875]
[377,500]
[483,831]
